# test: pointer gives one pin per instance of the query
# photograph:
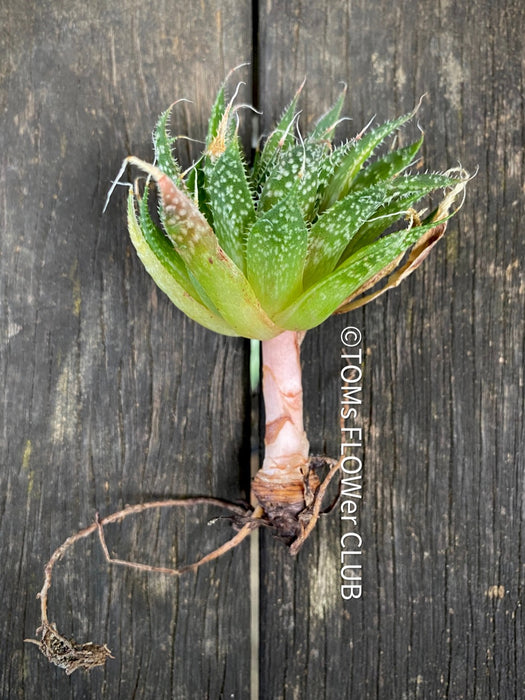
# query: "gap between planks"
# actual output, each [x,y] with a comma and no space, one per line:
[255,394]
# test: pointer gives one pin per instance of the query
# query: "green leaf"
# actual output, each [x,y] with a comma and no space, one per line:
[348,159]
[310,179]
[334,229]
[320,301]
[162,143]
[403,193]
[325,127]
[215,272]
[162,247]
[420,185]
[217,113]
[230,201]
[275,255]
[279,140]
[163,264]
[297,171]
[159,241]
[195,186]
[281,179]
[388,166]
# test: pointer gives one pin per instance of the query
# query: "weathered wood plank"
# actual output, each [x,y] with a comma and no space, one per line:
[442,413]
[111,396]
[98,369]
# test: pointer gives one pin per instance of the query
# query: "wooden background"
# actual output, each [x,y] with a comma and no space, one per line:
[110,396]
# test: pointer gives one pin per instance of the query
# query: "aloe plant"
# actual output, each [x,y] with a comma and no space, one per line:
[272,250]
[268,252]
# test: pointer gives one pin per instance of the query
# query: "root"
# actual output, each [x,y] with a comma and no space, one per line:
[293,520]
[310,515]
[70,655]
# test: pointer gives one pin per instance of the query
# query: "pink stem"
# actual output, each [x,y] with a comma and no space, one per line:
[280,483]
[285,440]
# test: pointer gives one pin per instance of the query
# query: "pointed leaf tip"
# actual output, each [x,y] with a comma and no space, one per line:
[162,144]
[325,126]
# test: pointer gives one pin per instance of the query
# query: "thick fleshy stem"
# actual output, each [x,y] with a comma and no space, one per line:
[285,482]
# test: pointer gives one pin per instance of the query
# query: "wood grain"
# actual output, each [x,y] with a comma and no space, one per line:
[111,396]
[442,414]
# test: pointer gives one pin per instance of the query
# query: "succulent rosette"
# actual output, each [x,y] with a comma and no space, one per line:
[304,233]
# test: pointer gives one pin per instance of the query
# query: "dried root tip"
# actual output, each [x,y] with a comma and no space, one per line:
[68,654]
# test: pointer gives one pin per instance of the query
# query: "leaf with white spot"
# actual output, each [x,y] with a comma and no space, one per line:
[230,201]
[159,242]
[310,179]
[196,190]
[403,193]
[349,158]
[162,143]
[334,229]
[420,185]
[162,246]
[322,299]
[297,171]
[214,271]
[281,138]
[164,265]
[325,127]
[281,179]
[388,166]
[275,255]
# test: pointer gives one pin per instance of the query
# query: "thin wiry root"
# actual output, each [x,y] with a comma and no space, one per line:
[69,654]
